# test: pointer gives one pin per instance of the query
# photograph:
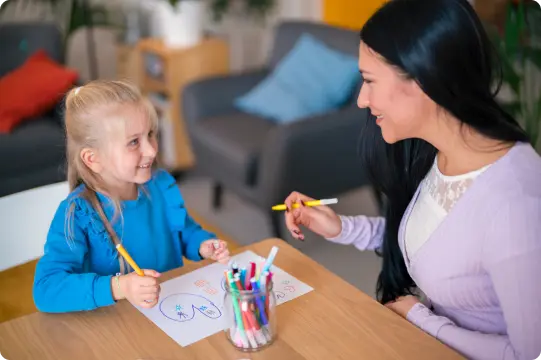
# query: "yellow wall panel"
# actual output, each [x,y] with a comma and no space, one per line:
[349,13]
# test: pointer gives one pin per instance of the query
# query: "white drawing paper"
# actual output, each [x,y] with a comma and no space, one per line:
[191,305]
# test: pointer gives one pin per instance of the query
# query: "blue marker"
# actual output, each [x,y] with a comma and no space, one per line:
[270,259]
[243,276]
[259,302]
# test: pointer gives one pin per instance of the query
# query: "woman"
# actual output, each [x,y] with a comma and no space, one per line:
[462,184]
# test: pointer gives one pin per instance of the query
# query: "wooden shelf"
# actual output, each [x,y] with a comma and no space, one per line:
[152,85]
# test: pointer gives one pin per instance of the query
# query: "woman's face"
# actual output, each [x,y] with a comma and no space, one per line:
[401,107]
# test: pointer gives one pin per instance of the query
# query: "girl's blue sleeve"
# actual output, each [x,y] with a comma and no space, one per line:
[60,283]
[191,238]
[191,234]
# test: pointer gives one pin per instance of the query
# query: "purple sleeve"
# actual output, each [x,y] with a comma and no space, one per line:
[474,345]
[363,232]
[511,257]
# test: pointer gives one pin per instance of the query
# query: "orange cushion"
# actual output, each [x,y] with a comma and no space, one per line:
[32,89]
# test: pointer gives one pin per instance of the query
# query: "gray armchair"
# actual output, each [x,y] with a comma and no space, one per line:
[263,162]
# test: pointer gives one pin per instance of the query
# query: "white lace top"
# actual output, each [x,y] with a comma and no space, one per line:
[438,194]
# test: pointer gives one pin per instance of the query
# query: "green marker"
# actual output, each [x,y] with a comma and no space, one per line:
[238,314]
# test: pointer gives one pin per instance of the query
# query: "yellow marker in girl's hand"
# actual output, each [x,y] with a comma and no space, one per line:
[129,259]
[307,203]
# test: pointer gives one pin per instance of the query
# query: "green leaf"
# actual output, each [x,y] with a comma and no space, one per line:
[512,29]
[505,57]
[535,56]
[521,17]
[510,75]
[219,8]
[81,16]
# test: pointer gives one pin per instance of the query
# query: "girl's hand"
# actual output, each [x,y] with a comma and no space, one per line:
[215,250]
[139,290]
[403,305]
[320,219]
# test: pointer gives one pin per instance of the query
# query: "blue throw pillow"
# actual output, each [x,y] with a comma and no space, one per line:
[311,79]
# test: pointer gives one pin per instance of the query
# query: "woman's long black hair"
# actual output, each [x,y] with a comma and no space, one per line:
[442,45]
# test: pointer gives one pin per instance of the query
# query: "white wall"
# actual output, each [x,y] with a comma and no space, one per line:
[303,9]
[251,42]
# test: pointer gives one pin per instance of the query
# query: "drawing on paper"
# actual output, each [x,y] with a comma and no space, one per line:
[184,307]
[223,283]
[205,285]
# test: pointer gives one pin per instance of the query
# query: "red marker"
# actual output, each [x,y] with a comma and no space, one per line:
[252,274]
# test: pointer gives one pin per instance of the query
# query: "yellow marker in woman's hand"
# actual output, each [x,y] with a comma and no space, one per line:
[307,203]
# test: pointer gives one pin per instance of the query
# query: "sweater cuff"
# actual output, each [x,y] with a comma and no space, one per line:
[347,225]
[422,317]
[192,250]
[103,294]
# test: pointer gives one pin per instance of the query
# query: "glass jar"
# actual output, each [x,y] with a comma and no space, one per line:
[250,317]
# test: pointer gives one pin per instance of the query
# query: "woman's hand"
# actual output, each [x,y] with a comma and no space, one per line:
[320,219]
[139,290]
[215,250]
[403,305]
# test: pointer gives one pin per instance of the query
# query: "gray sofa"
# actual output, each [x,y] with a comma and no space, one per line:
[33,154]
[263,162]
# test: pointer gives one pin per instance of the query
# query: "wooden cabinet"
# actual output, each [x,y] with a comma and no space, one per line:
[127,63]
[167,71]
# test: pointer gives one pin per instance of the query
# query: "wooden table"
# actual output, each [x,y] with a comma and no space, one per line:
[335,321]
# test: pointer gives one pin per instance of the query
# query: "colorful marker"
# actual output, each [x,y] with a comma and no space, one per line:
[243,278]
[270,259]
[129,259]
[235,268]
[259,303]
[238,314]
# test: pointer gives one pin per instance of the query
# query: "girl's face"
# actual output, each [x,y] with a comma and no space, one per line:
[399,103]
[130,149]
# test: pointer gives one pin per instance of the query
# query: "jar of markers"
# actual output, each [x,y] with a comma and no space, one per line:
[249,307]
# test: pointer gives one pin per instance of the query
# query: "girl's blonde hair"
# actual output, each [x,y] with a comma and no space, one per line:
[88,114]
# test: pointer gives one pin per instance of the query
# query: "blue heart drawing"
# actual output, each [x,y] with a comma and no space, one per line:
[183,307]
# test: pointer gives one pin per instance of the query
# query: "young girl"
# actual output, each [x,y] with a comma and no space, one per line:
[116,197]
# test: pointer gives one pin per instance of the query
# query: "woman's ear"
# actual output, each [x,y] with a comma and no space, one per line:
[90,158]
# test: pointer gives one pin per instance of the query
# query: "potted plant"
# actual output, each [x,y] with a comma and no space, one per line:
[181,21]
[518,46]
